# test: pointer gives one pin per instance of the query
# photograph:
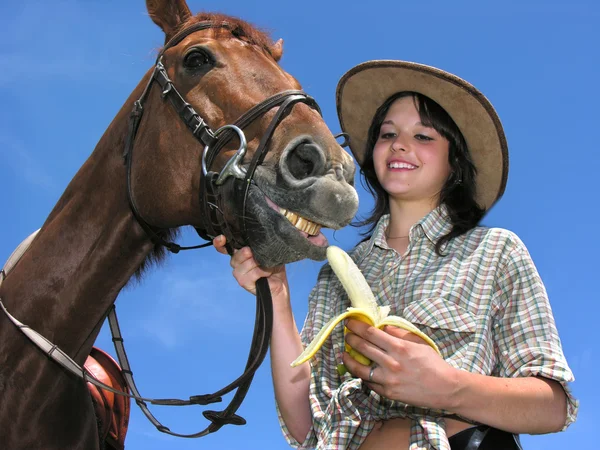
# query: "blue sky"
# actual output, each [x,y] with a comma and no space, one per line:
[70,65]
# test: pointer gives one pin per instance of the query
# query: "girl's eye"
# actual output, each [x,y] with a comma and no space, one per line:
[422,137]
[388,135]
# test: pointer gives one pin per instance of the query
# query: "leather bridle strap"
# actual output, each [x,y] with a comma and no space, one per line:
[254,113]
[193,121]
[209,196]
[215,223]
[261,152]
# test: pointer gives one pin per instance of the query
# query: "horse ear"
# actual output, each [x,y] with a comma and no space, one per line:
[277,50]
[168,15]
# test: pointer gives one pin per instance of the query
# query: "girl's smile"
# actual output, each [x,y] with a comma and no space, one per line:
[410,159]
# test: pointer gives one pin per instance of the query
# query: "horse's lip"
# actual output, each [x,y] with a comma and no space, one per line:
[302,224]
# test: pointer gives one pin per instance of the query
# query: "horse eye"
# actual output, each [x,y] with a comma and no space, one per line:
[196,59]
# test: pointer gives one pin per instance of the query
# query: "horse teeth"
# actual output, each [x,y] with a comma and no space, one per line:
[292,217]
[308,227]
[300,223]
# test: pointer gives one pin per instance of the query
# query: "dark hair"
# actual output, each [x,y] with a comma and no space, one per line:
[458,193]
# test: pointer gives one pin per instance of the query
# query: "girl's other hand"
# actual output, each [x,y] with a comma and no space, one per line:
[407,369]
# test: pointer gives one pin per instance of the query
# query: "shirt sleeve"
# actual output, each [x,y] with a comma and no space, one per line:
[526,338]
[310,441]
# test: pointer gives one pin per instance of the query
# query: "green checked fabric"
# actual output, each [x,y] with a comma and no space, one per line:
[483,304]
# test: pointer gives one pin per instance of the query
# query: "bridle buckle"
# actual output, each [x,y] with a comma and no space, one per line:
[232,167]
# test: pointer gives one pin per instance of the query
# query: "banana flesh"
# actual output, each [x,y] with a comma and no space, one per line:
[364,308]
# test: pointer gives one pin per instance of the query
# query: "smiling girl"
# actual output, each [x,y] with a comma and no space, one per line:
[433,153]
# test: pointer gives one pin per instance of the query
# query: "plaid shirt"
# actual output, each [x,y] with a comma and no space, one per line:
[483,304]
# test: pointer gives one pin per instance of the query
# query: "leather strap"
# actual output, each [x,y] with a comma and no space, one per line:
[260,344]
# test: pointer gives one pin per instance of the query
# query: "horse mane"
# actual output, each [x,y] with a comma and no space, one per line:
[158,253]
[239,28]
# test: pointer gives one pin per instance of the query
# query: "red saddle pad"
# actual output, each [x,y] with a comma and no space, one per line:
[112,410]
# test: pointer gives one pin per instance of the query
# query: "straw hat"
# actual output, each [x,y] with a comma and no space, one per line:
[365,87]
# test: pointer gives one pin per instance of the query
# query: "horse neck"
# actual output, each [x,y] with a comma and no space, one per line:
[87,250]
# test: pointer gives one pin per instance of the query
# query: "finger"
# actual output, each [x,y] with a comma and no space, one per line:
[219,244]
[365,348]
[250,268]
[404,334]
[370,333]
[243,256]
[245,268]
[357,326]
[389,340]
[246,274]
[361,371]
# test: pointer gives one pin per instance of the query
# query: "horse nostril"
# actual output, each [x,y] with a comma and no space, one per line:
[305,160]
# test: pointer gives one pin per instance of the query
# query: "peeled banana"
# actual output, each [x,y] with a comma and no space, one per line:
[364,308]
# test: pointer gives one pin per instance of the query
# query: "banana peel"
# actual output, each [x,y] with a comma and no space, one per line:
[364,308]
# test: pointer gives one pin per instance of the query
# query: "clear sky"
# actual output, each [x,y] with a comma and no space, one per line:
[67,66]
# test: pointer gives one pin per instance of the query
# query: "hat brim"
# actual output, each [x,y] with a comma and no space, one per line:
[365,87]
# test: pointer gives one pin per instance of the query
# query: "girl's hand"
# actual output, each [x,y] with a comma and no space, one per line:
[246,270]
[407,368]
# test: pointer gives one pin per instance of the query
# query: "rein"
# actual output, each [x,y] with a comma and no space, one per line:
[214,224]
[218,418]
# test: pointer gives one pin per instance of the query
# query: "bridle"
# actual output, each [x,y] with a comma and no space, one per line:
[212,215]
[214,223]
[213,141]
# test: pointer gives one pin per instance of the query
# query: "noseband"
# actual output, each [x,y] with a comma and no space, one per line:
[214,223]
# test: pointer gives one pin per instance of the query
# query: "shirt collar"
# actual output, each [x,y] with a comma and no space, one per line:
[433,226]
[436,224]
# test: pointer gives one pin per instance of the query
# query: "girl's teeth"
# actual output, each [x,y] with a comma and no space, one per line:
[395,165]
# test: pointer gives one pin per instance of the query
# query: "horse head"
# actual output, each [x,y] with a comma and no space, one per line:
[302,182]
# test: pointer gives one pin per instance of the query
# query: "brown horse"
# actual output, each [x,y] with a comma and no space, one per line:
[107,225]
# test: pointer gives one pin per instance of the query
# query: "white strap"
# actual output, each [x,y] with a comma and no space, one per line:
[14,258]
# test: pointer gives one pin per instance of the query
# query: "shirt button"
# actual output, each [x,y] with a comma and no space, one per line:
[504,353]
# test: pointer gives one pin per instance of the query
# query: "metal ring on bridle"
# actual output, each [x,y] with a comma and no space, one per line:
[232,168]
[345,142]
